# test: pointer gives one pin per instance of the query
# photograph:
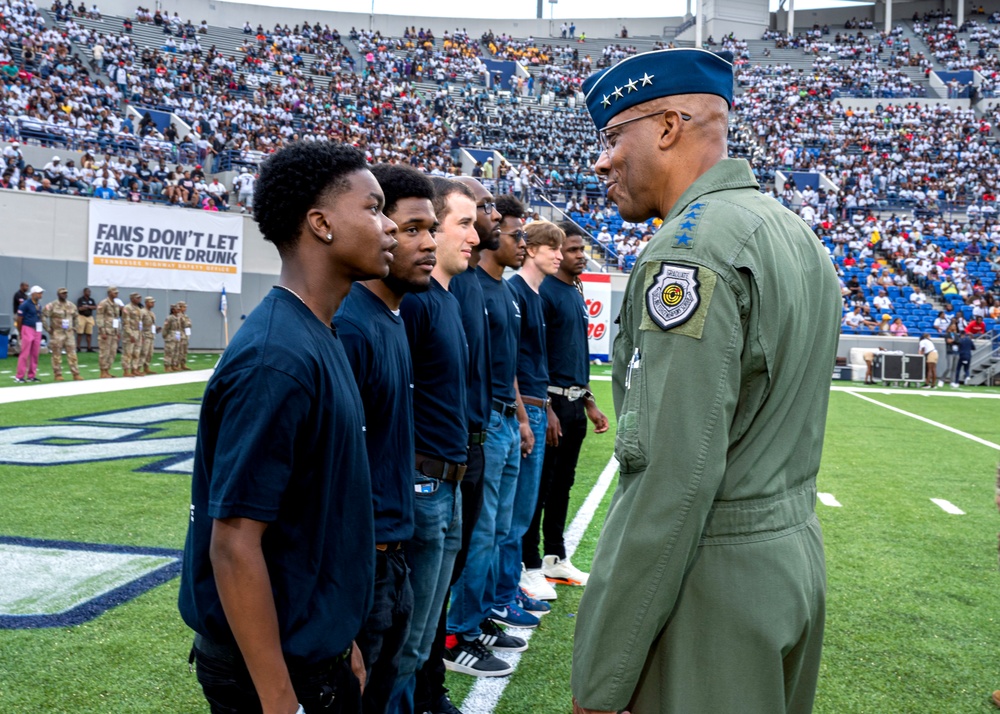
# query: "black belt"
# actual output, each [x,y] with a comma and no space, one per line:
[231,654]
[508,410]
[536,402]
[572,393]
[477,438]
[441,470]
[389,547]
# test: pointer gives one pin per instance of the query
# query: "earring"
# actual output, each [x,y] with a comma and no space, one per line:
[329,237]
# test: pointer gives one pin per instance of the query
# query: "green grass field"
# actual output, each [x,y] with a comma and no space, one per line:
[912,618]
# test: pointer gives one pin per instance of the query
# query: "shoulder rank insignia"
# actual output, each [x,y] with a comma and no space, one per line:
[673,297]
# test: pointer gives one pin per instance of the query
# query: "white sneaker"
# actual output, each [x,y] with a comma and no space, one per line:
[954,385]
[534,583]
[563,572]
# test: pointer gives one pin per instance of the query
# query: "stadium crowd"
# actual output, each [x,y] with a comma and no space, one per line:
[284,84]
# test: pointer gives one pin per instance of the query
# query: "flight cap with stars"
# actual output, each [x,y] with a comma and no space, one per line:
[651,75]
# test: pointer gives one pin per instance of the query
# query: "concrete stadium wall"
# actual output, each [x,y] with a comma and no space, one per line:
[234,14]
[43,241]
[836,17]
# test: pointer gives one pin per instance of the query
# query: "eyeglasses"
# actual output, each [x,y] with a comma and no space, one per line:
[607,143]
[488,207]
[517,235]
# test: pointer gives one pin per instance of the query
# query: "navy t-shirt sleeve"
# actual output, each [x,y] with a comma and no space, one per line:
[255,450]
[358,350]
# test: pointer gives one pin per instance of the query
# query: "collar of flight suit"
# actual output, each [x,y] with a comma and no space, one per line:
[725,175]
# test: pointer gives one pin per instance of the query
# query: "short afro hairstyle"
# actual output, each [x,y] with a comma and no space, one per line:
[399,181]
[509,207]
[445,187]
[571,228]
[296,178]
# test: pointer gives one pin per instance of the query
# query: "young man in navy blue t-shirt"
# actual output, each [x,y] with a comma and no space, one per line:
[542,243]
[431,694]
[473,596]
[571,406]
[279,558]
[375,339]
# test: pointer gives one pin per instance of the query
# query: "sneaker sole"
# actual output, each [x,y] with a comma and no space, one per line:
[461,669]
[565,581]
[513,624]
[536,613]
[543,598]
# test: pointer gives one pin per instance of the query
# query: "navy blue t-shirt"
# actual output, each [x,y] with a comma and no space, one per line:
[505,332]
[440,373]
[565,333]
[469,292]
[31,314]
[532,357]
[375,341]
[281,441]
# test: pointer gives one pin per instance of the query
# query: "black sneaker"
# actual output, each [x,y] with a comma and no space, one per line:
[496,639]
[444,706]
[34,379]
[474,659]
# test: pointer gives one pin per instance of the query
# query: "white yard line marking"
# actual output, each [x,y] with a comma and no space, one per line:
[94,386]
[828,499]
[939,392]
[953,430]
[948,506]
[600,378]
[486,692]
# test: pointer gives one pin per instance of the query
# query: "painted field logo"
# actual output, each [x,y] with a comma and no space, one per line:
[106,436]
[58,583]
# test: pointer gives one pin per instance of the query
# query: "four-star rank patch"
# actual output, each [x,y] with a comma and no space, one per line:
[673,297]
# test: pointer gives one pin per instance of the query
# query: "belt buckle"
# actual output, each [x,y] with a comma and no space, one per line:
[574,393]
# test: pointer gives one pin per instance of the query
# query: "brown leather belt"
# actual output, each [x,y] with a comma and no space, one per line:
[441,470]
[389,547]
[477,438]
[536,402]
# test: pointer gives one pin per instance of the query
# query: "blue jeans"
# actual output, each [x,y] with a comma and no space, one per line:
[431,553]
[474,593]
[525,499]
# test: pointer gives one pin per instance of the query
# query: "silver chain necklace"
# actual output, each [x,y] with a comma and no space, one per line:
[293,293]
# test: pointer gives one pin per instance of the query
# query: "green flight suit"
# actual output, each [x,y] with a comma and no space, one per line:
[707,590]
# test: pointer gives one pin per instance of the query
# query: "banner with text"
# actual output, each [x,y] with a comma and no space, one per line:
[165,248]
[597,294]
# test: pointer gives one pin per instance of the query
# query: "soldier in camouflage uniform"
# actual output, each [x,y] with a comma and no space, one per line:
[182,348]
[171,339]
[108,326]
[148,336]
[60,320]
[132,336]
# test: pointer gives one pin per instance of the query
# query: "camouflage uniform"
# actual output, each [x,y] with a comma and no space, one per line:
[148,336]
[171,339]
[60,319]
[108,326]
[131,337]
[185,328]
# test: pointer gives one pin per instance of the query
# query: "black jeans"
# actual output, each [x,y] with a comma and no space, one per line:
[329,687]
[430,678]
[558,475]
[384,633]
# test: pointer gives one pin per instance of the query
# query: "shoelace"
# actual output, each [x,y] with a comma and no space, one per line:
[479,649]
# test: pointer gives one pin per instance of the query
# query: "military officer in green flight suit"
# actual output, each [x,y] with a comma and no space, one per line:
[707,590]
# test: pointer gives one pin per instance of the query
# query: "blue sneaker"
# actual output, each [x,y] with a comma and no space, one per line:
[513,616]
[530,604]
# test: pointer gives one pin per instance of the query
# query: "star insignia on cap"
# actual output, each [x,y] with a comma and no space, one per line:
[631,86]
[647,78]
[606,102]
[617,94]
